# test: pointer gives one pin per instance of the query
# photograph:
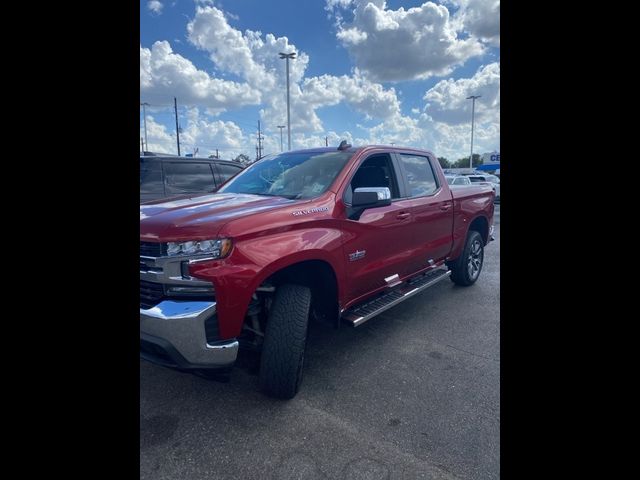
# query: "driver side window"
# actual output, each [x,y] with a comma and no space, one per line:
[375,171]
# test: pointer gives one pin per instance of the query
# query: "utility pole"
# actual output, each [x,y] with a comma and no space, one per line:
[217,156]
[175,106]
[260,138]
[281,127]
[144,116]
[288,56]
[473,111]
[142,144]
[326,141]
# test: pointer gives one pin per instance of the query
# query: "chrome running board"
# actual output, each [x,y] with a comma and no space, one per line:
[367,310]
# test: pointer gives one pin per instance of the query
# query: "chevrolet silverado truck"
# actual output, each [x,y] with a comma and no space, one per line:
[330,234]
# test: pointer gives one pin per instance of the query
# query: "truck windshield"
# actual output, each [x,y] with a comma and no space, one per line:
[290,175]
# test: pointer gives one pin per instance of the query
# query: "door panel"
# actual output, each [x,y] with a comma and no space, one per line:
[431,208]
[377,245]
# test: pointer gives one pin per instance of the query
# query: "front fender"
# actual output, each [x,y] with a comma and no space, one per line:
[253,260]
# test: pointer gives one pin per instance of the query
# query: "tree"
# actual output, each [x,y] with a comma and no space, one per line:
[464,162]
[444,163]
[242,159]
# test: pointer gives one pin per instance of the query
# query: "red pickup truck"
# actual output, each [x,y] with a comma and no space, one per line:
[335,234]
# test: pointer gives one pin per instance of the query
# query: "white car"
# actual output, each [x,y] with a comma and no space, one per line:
[457,180]
[490,179]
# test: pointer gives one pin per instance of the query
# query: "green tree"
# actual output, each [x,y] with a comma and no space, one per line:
[444,163]
[242,159]
[464,162]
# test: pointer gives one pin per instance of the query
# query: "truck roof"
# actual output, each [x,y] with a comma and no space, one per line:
[360,148]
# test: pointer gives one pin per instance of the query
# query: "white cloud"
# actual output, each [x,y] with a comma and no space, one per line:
[228,48]
[367,97]
[395,45]
[447,100]
[165,74]
[252,57]
[197,132]
[332,4]
[481,18]
[449,112]
[155,6]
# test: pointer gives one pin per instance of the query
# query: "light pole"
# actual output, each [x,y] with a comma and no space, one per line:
[473,111]
[175,106]
[144,116]
[280,127]
[288,56]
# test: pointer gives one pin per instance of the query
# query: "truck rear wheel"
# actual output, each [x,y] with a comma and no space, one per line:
[465,270]
[284,342]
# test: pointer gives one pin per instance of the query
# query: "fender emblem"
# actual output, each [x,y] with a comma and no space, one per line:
[312,210]
[357,255]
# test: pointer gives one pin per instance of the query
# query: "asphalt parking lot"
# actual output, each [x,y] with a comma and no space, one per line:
[413,393]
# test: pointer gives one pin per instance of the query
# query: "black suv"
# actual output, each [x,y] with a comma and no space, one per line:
[166,176]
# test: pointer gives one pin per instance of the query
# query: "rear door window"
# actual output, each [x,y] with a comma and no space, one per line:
[186,177]
[151,177]
[227,171]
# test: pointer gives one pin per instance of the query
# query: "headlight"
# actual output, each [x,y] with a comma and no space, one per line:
[219,248]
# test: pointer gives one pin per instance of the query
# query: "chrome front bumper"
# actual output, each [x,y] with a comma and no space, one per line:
[179,326]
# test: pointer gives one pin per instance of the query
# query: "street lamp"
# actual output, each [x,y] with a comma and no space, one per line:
[288,56]
[280,127]
[144,116]
[473,111]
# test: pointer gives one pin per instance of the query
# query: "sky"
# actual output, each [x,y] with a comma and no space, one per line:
[366,71]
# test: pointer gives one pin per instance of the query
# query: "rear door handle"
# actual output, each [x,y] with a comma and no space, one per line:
[403,215]
[445,206]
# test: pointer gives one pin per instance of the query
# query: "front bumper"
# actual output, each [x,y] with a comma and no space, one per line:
[173,334]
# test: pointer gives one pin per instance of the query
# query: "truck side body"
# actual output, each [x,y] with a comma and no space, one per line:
[345,261]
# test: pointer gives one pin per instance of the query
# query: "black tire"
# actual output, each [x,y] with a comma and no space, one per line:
[465,270]
[285,339]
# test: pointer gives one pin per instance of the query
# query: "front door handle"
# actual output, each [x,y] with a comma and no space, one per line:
[403,215]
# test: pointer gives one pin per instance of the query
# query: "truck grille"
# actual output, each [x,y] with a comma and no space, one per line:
[150,294]
[153,249]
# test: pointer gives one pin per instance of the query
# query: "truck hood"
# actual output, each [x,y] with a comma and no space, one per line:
[201,217]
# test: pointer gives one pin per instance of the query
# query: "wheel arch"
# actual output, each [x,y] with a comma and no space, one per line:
[481,225]
[317,274]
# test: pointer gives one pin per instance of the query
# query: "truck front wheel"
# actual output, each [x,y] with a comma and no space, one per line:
[284,342]
[465,270]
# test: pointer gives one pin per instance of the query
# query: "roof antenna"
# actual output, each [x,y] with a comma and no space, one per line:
[344,145]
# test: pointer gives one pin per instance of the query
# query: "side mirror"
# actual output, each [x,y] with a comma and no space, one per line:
[371,197]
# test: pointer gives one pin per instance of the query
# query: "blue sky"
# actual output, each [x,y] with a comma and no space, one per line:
[369,71]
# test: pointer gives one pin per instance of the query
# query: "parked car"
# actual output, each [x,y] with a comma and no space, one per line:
[337,235]
[457,180]
[490,179]
[167,176]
